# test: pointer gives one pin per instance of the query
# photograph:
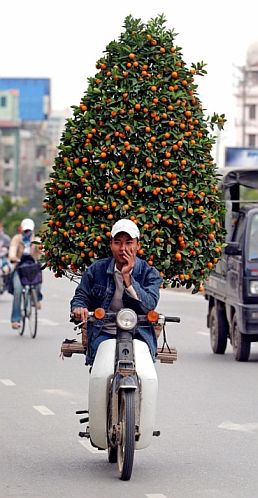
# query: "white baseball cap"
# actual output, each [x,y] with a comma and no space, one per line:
[126,226]
[27,224]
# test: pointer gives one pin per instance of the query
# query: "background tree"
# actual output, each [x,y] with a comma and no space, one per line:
[138,146]
[12,213]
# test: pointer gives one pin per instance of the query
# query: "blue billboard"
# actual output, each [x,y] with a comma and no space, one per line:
[34,96]
[241,156]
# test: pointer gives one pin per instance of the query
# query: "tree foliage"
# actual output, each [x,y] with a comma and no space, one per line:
[11,214]
[138,146]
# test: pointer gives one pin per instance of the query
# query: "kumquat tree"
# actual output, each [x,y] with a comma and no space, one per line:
[138,146]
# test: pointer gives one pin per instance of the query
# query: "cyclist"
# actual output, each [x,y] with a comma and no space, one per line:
[123,280]
[22,248]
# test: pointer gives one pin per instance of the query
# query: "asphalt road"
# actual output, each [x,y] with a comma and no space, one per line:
[207,413]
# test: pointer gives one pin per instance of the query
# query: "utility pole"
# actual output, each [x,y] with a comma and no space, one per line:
[244,83]
[16,186]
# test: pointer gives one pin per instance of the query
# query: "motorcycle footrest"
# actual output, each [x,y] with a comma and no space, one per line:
[84,420]
[84,434]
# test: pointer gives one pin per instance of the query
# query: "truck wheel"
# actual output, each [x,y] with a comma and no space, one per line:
[241,343]
[218,331]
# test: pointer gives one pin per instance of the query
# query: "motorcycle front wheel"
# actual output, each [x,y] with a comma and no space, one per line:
[125,449]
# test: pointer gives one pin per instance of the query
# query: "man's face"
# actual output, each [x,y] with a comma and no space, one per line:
[121,244]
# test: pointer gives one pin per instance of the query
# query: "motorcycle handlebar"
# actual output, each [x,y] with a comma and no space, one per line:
[108,315]
[172,319]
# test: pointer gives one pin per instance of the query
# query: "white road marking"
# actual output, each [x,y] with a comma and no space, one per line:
[4,320]
[46,321]
[86,444]
[155,495]
[201,332]
[43,410]
[59,392]
[7,382]
[231,426]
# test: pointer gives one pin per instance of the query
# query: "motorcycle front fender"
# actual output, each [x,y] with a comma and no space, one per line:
[127,382]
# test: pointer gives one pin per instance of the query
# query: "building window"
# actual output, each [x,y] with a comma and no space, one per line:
[3,101]
[251,140]
[41,152]
[8,153]
[252,111]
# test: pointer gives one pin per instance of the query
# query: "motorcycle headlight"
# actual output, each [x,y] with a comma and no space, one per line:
[126,319]
[254,287]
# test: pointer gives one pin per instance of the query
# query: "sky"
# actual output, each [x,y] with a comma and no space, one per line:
[63,40]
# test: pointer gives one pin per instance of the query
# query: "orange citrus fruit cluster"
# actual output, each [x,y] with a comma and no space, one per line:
[138,146]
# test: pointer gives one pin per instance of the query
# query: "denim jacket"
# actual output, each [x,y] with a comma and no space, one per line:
[97,288]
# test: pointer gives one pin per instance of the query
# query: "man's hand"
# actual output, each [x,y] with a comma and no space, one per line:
[80,314]
[130,258]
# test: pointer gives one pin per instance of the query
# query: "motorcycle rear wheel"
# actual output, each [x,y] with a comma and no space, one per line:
[112,450]
[112,454]
[125,449]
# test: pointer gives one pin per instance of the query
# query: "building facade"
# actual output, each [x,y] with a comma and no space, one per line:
[246,122]
[34,96]
[26,150]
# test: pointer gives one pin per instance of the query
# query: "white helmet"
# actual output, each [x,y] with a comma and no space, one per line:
[27,224]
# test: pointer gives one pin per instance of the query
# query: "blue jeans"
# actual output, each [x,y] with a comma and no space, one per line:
[104,336]
[17,293]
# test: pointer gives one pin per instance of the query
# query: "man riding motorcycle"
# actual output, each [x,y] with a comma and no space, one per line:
[5,266]
[122,280]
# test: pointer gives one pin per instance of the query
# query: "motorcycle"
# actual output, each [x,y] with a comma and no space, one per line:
[123,386]
[5,271]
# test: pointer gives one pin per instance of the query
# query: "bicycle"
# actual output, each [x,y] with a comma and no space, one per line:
[30,274]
